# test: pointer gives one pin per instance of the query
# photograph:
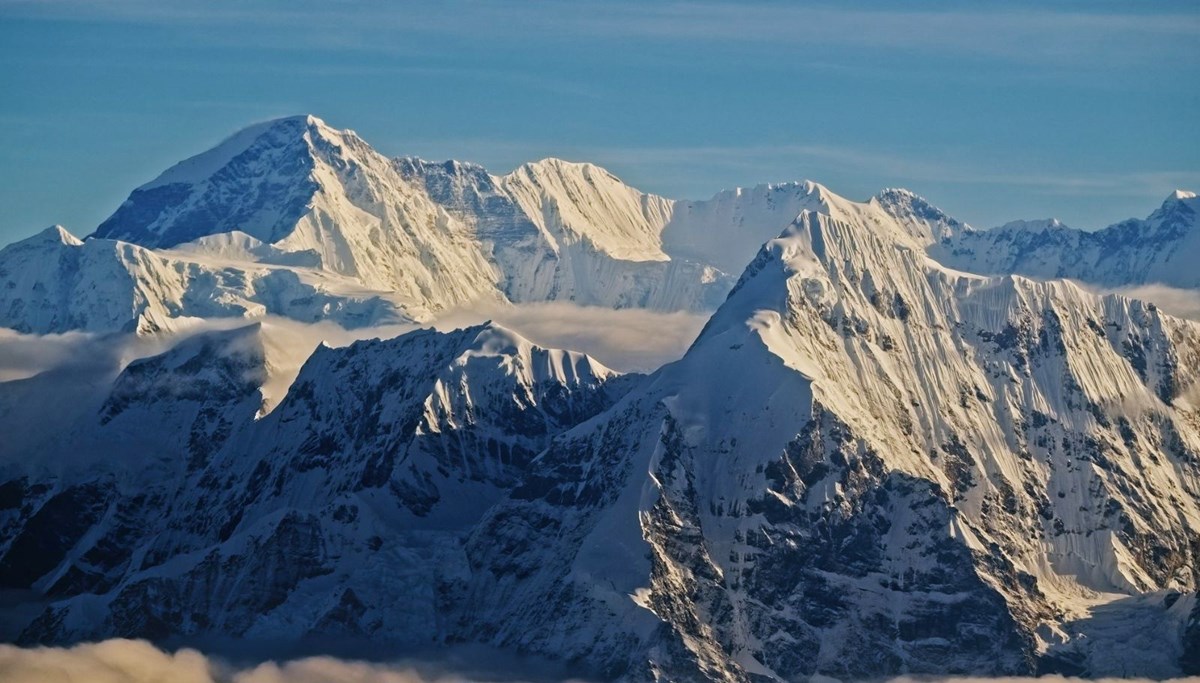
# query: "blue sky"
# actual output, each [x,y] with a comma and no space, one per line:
[1085,111]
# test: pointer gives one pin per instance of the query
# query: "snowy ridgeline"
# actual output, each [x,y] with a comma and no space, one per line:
[297,219]
[870,462]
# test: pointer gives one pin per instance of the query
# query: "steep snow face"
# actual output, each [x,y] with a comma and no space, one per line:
[865,465]
[1158,250]
[53,282]
[572,202]
[305,187]
[563,231]
[348,499]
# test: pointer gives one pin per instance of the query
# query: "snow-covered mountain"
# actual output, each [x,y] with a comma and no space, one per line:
[360,483]
[293,217]
[300,219]
[429,236]
[866,464]
[302,186]
[870,462]
[54,282]
[1162,249]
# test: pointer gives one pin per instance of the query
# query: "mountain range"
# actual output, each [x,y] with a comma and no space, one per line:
[900,445]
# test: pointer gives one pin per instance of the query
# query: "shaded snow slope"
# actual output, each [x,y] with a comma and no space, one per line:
[347,499]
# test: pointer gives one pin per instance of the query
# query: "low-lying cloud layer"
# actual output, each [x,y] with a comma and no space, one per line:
[629,340]
[1183,303]
[135,661]
[57,380]
[625,340]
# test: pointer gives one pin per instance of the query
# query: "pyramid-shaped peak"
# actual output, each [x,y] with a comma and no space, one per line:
[54,235]
[1180,205]
[59,234]
[275,132]
[259,181]
[1179,195]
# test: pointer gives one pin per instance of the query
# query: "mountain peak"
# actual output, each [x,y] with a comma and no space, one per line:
[306,119]
[813,187]
[1037,224]
[917,214]
[262,181]
[1180,194]
[57,234]
[572,202]
[1178,210]
[202,166]
[562,167]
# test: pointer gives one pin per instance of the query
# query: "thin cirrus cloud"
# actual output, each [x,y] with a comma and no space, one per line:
[1091,37]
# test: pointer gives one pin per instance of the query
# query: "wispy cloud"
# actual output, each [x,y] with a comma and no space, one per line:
[1027,35]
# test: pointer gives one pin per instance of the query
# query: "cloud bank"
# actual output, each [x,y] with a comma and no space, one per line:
[628,340]
[76,369]
[135,661]
[1182,303]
